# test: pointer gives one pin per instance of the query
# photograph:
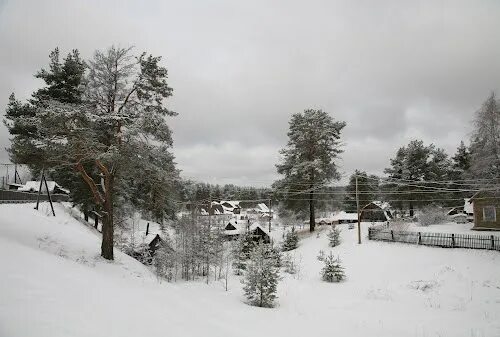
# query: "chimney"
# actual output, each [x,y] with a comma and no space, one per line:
[147,229]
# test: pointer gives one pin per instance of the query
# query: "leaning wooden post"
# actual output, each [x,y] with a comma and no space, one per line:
[419,238]
[39,190]
[453,240]
[48,194]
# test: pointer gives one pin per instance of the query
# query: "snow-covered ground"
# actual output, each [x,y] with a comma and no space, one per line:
[53,283]
[445,227]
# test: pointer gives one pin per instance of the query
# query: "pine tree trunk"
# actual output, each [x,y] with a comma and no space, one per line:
[107,222]
[107,235]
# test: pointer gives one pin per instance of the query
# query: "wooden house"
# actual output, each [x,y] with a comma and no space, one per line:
[236,227]
[376,211]
[344,217]
[486,206]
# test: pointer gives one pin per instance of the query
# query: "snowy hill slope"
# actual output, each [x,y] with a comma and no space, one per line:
[54,283]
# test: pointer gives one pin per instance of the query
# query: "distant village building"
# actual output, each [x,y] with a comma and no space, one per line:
[232,207]
[236,227]
[344,217]
[34,186]
[263,211]
[144,239]
[486,209]
[376,211]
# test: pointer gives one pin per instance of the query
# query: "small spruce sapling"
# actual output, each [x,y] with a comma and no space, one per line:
[241,253]
[261,277]
[291,240]
[291,265]
[332,270]
[321,256]
[334,236]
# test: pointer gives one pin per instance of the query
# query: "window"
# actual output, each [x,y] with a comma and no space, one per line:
[489,213]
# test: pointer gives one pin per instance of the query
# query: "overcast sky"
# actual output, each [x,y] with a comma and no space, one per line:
[394,72]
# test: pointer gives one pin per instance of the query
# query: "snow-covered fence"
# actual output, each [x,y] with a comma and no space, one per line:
[445,240]
[9,197]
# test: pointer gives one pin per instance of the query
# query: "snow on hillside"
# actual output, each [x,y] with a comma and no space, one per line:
[55,284]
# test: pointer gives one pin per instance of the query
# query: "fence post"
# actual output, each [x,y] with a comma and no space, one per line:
[453,240]
[369,233]
[419,238]
[492,242]
[392,234]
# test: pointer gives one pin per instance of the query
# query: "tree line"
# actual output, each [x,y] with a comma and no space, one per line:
[417,175]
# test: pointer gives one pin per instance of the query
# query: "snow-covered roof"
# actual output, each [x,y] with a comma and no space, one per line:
[262,208]
[239,225]
[382,204]
[342,215]
[256,225]
[229,206]
[34,186]
[233,203]
[137,231]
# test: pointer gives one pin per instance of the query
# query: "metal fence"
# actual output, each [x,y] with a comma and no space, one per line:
[9,197]
[445,240]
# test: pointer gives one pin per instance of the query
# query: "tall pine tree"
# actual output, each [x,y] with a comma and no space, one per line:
[116,137]
[309,159]
[485,145]
[417,165]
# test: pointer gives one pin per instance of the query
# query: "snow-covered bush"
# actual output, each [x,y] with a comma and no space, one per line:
[291,265]
[332,270]
[400,225]
[261,277]
[321,255]
[276,255]
[165,261]
[291,240]
[334,236]
[430,215]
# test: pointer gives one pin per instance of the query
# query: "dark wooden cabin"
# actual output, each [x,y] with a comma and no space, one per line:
[375,212]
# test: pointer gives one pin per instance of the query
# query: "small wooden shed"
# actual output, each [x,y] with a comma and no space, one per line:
[376,211]
[486,205]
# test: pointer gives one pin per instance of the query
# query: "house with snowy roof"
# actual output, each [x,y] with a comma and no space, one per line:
[376,211]
[344,217]
[237,227]
[231,206]
[34,186]
[144,239]
[263,210]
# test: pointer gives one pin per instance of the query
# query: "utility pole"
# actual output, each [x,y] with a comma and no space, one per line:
[270,213]
[357,207]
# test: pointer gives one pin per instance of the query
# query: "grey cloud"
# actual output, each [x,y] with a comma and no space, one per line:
[393,71]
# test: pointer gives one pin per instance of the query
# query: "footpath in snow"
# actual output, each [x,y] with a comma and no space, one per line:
[54,283]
